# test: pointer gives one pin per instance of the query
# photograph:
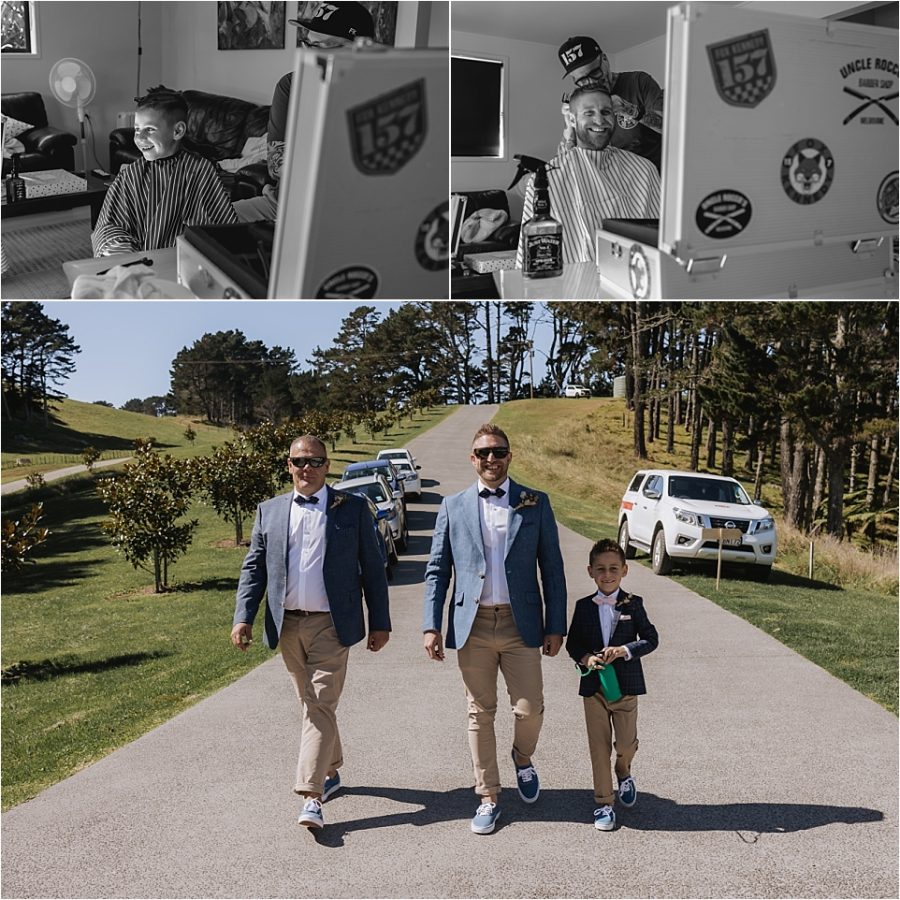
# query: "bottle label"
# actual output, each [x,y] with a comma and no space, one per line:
[541,205]
[543,253]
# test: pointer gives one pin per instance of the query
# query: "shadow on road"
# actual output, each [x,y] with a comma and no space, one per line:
[651,814]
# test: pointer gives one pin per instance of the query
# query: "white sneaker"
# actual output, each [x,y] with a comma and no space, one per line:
[604,818]
[311,815]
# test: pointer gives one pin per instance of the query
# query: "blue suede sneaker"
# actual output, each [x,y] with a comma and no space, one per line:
[332,786]
[527,781]
[627,791]
[604,818]
[485,818]
[311,815]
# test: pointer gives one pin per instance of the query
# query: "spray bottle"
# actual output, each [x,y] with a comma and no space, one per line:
[542,234]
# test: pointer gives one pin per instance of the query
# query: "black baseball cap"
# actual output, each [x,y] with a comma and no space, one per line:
[577,52]
[340,18]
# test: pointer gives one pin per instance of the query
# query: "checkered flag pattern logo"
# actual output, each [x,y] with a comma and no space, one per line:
[743,68]
[388,131]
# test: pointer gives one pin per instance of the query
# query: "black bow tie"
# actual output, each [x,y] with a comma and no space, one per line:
[303,500]
[485,492]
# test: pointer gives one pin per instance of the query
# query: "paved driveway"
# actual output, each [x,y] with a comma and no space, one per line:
[759,774]
[21,483]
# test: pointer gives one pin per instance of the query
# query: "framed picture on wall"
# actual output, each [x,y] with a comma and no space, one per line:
[384,13]
[251,26]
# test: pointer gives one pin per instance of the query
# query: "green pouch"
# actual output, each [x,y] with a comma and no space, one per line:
[609,684]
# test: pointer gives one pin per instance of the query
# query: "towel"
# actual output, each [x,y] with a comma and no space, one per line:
[481,225]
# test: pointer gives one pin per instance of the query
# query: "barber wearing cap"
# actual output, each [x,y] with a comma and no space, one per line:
[637,98]
[314,553]
[333,25]
[491,539]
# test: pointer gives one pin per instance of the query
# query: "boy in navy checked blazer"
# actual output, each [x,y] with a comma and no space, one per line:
[610,627]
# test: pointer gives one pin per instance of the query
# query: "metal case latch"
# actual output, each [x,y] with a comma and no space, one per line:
[867,245]
[703,265]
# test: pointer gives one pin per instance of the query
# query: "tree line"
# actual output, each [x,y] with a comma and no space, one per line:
[807,390]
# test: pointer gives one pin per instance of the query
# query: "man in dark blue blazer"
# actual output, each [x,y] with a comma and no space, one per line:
[491,539]
[314,554]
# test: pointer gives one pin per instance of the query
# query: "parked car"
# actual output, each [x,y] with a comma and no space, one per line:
[383,467]
[664,512]
[576,390]
[389,504]
[385,536]
[398,453]
[412,484]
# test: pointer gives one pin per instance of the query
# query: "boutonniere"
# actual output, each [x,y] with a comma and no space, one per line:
[339,498]
[624,600]
[526,499]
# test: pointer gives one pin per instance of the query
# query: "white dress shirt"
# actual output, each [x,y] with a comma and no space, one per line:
[494,515]
[605,612]
[306,555]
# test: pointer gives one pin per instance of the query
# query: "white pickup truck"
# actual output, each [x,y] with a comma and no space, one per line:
[671,514]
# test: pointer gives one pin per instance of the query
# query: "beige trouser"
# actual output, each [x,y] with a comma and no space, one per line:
[494,643]
[602,719]
[317,663]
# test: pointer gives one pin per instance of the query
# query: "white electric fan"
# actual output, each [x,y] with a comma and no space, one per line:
[74,85]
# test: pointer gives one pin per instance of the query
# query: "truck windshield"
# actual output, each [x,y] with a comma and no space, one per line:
[686,487]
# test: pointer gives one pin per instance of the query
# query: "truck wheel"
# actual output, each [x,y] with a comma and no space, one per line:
[660,559]
[627,549]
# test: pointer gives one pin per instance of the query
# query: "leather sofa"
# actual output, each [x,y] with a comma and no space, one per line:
[46,147]
[217,127]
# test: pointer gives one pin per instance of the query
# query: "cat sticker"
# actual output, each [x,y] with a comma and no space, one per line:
[807,171]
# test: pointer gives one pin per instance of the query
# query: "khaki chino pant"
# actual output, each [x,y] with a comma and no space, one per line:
[602,719]
[495,644]
[317,663]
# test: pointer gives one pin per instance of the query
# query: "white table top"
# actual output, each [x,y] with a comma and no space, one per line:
[579,281]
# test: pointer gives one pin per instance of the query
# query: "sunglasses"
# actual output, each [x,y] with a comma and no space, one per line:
[485,452]
[315,461]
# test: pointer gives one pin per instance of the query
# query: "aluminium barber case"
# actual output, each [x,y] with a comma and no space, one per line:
[779,163]
[363,202]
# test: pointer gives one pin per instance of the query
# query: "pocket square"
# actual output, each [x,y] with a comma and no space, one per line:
[624,618]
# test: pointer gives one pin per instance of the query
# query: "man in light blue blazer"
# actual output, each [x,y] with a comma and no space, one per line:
[314,554]
[491,539]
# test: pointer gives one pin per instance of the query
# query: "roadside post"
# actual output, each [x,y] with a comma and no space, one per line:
[727,537]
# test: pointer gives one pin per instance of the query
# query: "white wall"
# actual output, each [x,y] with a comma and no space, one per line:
[534,121]
[179,49]
[191,58]
[104,35]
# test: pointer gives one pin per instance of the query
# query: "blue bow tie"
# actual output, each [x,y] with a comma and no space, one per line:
[486,492]
[304,500]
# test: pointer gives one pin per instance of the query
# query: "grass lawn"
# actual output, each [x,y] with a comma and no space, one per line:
[580,452]
[91,658]
[75,425]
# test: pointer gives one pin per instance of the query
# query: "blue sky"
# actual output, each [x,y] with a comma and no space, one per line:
[127,347]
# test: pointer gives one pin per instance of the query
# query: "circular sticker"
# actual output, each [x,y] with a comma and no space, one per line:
[433,239]
[887,199]
[638,273]
[353,282]
[723,214]
[807,171]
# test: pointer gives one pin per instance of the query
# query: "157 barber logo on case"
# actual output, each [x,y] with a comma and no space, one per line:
[387,132]
[743,68]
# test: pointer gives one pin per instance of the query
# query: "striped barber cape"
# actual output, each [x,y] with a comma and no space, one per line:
[587,186]
[150,203]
